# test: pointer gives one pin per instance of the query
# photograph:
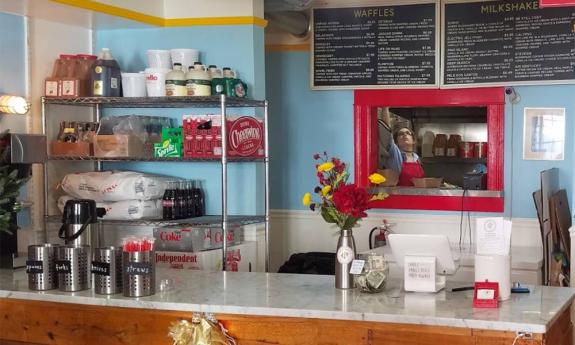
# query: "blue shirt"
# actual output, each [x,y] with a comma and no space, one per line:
[396,157]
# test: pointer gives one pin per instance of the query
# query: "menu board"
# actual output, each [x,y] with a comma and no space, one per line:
[362,47]
[498,42]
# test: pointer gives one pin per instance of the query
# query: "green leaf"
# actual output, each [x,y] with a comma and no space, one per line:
[349,222]
[325,214]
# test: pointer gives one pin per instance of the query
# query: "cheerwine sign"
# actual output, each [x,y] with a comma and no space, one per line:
[245,136]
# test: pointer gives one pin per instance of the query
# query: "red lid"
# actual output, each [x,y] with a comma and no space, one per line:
[67,56]
[87,56]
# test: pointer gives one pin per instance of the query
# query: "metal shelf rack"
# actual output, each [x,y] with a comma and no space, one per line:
[158,102]
[151,159]
[222,102]
[205,221]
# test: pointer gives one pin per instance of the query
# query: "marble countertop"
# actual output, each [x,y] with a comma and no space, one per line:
[313,296]
[522,258]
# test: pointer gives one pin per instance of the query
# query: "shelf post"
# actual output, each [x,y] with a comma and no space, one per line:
[266,188]
[45,171]
[224,182]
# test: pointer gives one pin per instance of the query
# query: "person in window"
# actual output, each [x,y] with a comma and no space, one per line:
[397,153]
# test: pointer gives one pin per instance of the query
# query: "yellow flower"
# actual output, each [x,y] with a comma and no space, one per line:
[325,190]
[325,167]
[376,178]
[306,200]
[379,196]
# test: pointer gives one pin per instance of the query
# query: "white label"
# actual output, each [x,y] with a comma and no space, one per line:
[68,87]
[485,294]
[357,266]
[114,83]
[344,255]
[51,88]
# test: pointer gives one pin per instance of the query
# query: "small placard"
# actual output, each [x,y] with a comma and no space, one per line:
[34,266]
[138,268]
[101,268]
[419,273]
[356,266]
[63,266]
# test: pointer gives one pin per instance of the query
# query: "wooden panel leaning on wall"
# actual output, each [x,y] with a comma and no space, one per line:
[25,322]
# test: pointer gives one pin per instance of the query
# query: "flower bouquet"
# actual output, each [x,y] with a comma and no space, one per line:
[343,204]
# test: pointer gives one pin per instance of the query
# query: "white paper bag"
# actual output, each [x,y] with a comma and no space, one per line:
[114,185]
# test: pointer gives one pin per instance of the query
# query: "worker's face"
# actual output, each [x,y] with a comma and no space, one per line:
[405,139]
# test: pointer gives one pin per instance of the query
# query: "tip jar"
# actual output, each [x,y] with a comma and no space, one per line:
[374,273]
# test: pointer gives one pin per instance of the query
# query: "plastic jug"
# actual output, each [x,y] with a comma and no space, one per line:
[106,76]
[176,81]
[198,81]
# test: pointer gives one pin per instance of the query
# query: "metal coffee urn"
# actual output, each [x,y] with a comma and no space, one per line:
[77,220]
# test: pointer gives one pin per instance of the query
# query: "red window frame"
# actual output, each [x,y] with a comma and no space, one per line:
[366,103]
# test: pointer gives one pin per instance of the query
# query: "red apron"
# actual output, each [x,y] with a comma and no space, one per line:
[410,170]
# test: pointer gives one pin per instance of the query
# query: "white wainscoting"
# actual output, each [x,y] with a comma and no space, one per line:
[297,231]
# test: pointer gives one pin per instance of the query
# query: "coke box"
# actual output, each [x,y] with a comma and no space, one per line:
[187,239]
[203,136]
[240,258]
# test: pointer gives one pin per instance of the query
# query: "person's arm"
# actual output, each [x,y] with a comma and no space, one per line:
[395,158]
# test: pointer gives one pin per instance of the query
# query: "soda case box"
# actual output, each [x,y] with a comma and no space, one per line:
[194,239]
[203,136]
[240,258]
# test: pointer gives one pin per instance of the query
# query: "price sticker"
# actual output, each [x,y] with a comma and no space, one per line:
[356,266]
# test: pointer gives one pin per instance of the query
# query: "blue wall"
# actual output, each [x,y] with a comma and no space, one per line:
[13,78]
[12,55]
[304,122]
[240,47]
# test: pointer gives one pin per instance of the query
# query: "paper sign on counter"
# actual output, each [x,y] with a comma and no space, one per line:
[493,236]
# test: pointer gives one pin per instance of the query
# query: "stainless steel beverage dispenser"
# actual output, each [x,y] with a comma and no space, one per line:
[77,220]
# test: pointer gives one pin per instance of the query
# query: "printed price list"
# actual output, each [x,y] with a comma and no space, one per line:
[390,45]
[508,41]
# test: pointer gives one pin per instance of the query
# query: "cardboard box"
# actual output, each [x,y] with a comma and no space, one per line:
[203,136]
[118,146]
[427,182]
[196,239]
[60,148]
[240,258]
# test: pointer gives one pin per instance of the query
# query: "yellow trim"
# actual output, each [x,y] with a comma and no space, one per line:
[216,21]
[288,47]
[114,11]
[159,21]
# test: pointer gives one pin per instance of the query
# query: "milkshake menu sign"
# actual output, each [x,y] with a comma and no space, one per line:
[506,43]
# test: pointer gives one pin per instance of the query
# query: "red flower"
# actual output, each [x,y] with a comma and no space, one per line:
[339,165]
[351,200]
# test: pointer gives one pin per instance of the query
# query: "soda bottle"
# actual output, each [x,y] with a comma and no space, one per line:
[199,199]
[181,200]
[191,209]
[167,204]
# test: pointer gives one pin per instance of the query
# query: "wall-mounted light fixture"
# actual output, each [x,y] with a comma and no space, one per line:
[14,105]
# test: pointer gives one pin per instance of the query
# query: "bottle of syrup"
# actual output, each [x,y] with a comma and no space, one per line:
[106,76]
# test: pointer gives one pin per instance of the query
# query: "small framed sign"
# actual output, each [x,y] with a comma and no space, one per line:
[544,134]
[486,295]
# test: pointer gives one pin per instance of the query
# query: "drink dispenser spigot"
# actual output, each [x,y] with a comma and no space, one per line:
[76,223]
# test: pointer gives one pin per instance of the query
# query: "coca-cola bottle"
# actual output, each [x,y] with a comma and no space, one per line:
[177,209]
[191,207]
[198,196]
[181,200]
[168,202]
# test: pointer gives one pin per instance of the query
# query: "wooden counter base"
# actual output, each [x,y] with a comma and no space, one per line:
[33,322]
